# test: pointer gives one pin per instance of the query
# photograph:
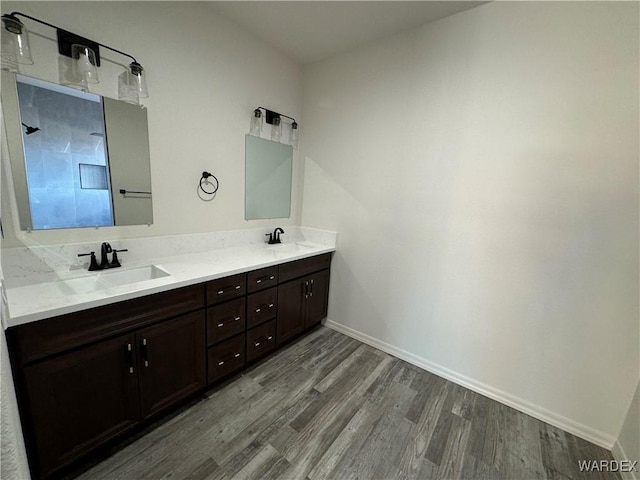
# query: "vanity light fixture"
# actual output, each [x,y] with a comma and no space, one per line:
[276,129]
[256,123]
[275,120]
[79,61]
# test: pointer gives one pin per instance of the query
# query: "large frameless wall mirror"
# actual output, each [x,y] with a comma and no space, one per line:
[268,167]
[77,159]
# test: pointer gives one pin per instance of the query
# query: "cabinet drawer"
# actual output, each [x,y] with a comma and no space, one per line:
[225,320]
[261,340]
[261,306]
[226,288]
[261,279]
[298,268]
[226,357]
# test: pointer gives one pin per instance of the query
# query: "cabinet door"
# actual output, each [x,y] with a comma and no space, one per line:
[318,298]
[291,307]
[172,358]
[82,399]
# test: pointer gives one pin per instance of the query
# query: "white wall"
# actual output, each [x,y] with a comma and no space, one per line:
[482,173]
[205,76]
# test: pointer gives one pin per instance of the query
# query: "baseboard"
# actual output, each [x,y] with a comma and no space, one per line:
[620,456]
[583,431]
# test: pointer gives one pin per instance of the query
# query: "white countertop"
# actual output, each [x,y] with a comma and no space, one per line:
[37,301]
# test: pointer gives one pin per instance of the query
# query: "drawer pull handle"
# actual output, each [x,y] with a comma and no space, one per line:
[236,355]
[270,338]
[260,280]
[220,292]
[236,319]
[258,310]
[220,325]
[257,344]
[221,363]
[271,305]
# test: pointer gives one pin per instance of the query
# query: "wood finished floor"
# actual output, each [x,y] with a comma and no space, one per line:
[330,407]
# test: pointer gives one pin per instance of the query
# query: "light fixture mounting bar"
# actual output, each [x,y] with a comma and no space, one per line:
[270,115]
[66,39]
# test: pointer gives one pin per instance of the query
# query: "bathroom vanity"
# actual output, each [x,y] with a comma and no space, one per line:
[89,378]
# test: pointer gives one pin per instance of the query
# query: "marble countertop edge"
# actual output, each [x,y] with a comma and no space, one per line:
[39,301]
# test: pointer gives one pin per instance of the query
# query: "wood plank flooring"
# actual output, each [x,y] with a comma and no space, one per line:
[330,407]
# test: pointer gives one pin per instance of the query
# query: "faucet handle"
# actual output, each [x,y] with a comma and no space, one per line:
[94,263]
[115,261]
[270,235]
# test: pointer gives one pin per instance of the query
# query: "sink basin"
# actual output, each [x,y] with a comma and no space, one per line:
[94,282]
[290,247]
[77,285]
[114,278]
[285,250]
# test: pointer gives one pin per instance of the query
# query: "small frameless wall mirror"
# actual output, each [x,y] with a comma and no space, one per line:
[77,159]
[268,167]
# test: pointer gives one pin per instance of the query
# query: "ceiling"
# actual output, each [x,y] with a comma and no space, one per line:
[309,31]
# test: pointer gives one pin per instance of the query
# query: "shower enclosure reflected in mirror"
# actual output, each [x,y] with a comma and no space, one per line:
[268,167]
[72,154]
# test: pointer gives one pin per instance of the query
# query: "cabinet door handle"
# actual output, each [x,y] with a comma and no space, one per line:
[130,356]
[269,337]
[145,353]
[311,289]
[257,344]
[258,310]
[220,325]
[221,363]
[271,305]
[306,289]
[236,355]
[236,319]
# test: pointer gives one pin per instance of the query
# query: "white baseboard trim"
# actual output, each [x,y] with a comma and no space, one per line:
[620,456]
[583,431]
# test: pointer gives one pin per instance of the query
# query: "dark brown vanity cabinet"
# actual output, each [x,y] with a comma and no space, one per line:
[302,302]
[91,377]
[103,371]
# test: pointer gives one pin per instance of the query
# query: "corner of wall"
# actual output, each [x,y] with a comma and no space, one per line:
[627,446]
